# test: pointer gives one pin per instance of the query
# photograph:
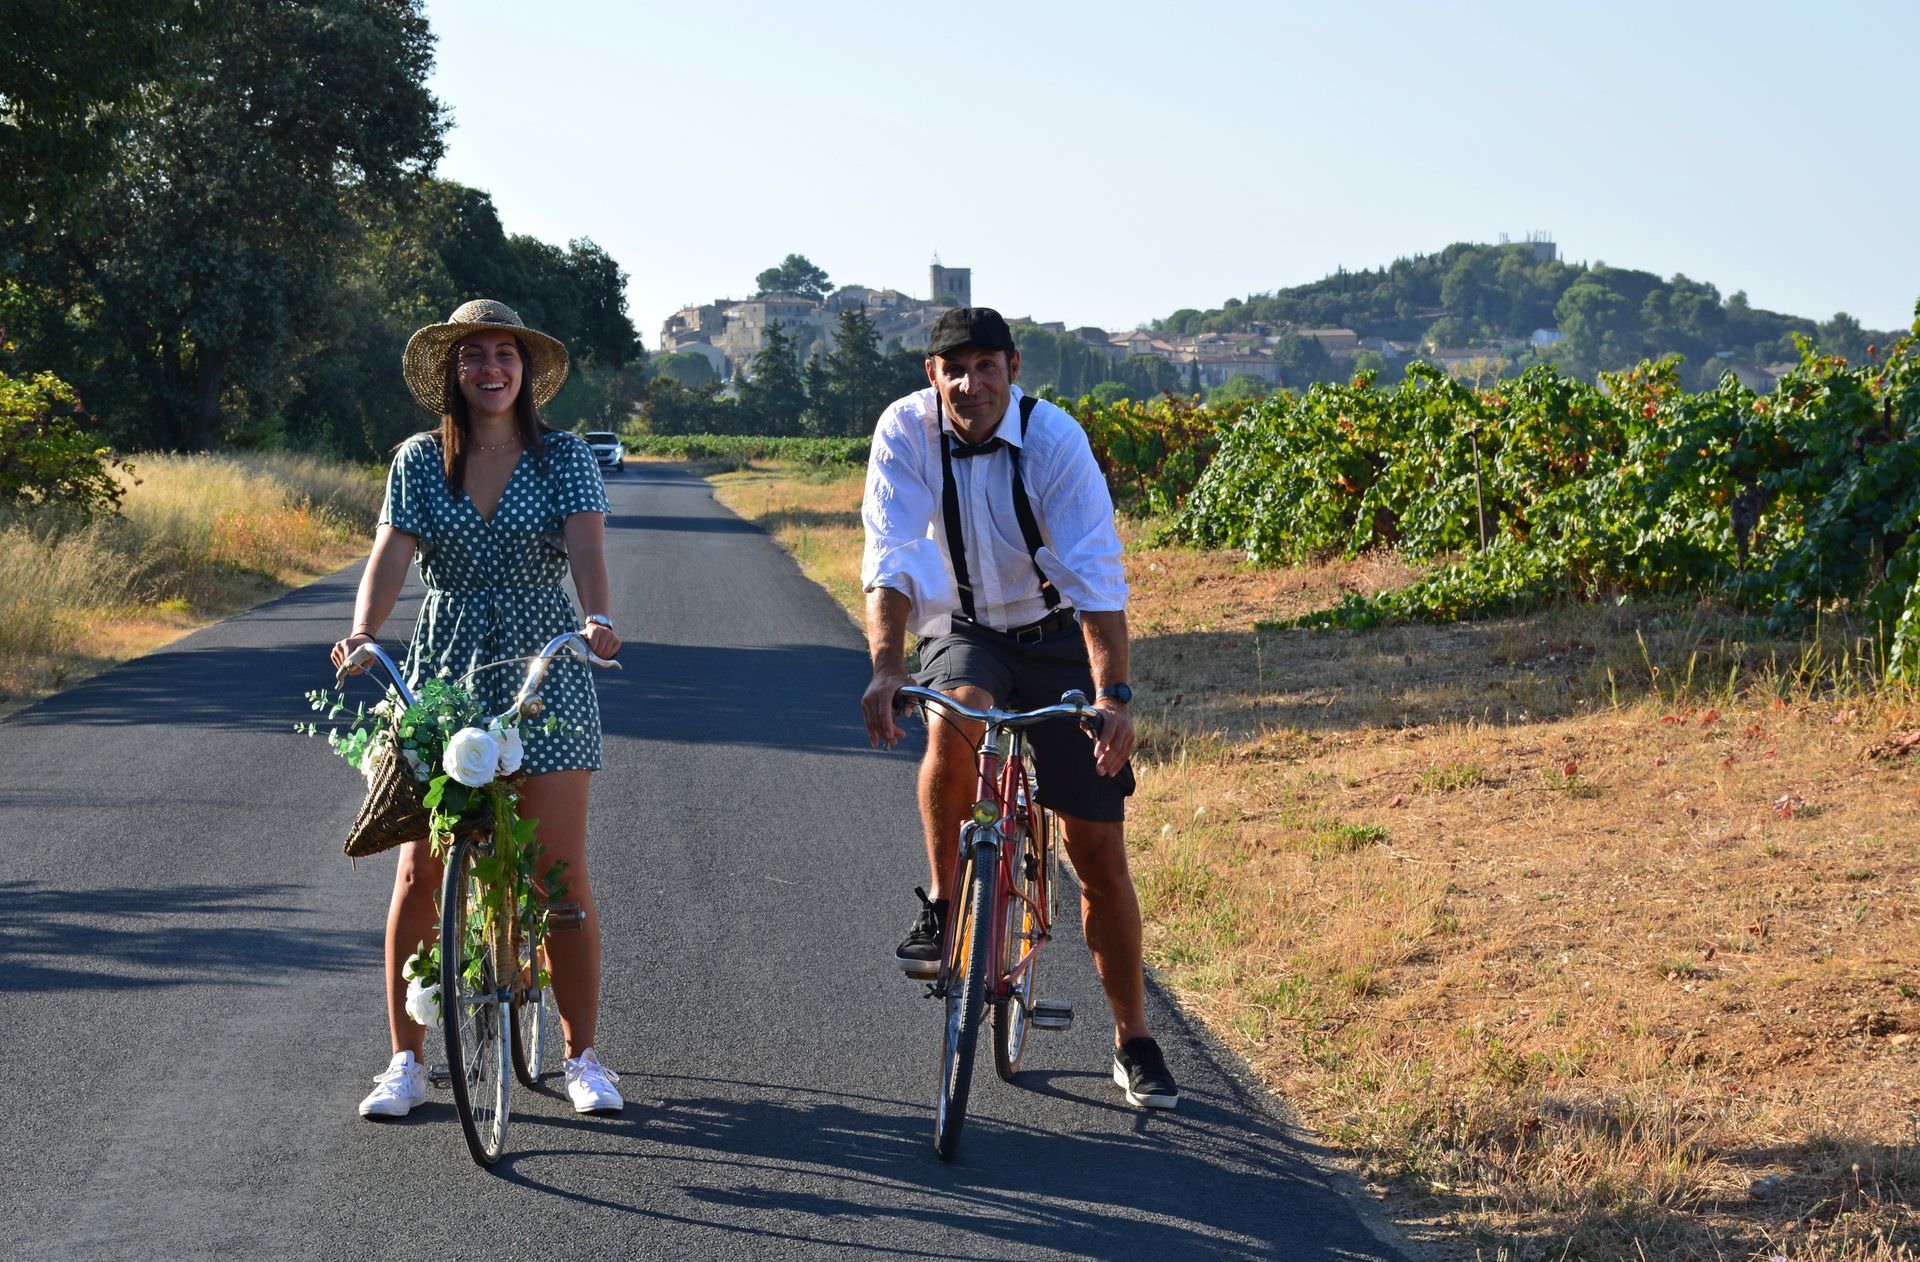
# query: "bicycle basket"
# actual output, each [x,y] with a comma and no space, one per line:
[394,811]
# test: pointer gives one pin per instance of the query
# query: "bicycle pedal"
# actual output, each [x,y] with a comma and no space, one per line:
[439,1076]
[565,918]
[1051,1014]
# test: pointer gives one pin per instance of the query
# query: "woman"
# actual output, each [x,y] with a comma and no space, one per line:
[498,508]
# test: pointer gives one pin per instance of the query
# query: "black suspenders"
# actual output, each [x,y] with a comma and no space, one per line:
[1022,509]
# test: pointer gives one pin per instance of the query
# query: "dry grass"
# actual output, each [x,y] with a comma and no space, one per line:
[811,517]
[198,538]
[1590,934]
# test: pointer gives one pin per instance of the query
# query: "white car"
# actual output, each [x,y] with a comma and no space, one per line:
[607,449]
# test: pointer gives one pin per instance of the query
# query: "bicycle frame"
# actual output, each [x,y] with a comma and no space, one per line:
[491,939]
[1002,787]
[1005,819]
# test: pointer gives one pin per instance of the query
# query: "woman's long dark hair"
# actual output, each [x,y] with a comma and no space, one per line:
[456,423]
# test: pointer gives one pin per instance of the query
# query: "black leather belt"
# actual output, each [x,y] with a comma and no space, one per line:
[1034,632]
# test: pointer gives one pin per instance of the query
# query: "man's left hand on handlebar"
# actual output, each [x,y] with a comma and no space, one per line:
[1115,742]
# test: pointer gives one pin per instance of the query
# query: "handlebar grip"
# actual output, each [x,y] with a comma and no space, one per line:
[1093,723]
[359,657]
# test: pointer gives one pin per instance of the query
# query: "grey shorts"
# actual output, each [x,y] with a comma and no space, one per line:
[1026,676]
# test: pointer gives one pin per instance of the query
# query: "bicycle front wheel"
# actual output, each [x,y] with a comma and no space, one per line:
[1024,928]
[535,1021]
[969,978]
[474,1007]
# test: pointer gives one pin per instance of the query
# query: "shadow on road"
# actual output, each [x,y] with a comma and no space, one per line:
[827,1165]
[181,935]
[789,696]
[248,689]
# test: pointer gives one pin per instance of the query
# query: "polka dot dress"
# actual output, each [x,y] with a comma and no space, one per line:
[493,588]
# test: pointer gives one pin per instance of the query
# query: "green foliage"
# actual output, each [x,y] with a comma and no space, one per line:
[1062,362]
[1545,486]
[45,457]
[773,397]
[855,383]
[1612,317]
[1240,388]
[795,274]
[1152,453]
[688,368]
[246,230]
[68,76]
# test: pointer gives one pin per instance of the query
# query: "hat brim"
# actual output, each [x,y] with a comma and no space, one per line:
[424,363]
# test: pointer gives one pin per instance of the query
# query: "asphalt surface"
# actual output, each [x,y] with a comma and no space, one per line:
[190,995]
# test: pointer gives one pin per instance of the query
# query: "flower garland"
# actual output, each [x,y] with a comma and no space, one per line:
[472,775]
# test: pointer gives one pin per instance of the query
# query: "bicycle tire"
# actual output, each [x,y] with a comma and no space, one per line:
[1021,929]
[535,1021]
[474,1016]
[968,981]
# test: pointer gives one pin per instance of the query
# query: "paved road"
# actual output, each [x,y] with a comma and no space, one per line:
[191,1008]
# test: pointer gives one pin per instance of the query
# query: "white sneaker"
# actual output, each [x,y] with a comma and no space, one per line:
[590,1085]
[395,1092]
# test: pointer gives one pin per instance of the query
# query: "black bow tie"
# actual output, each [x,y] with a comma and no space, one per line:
[962,451]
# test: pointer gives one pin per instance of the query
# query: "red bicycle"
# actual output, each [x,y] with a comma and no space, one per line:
[1001,907]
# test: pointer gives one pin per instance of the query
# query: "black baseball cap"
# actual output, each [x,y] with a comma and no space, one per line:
[969,326]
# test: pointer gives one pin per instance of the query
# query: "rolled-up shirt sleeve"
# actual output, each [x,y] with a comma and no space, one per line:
[1083,554]
[897,512]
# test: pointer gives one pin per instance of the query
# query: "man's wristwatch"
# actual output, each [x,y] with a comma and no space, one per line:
[1114,692]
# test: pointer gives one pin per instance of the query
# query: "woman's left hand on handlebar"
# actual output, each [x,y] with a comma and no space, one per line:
[1114,745]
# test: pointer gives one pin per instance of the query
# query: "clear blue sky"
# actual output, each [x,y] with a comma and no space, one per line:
[1107,163]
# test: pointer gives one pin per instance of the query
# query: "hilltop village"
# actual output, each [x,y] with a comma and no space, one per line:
[728,334]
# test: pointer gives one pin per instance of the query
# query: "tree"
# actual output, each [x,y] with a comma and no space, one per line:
[860,386]
[796,274]
[233,199]
[68,72]
[1843,336]
[689,368]
[774,395]
[1239,388]
[45,457]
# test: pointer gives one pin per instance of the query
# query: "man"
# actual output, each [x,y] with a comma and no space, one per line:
[989,533]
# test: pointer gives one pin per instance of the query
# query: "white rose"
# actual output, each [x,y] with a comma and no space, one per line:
[511,749]
[472,756]
[423,1003]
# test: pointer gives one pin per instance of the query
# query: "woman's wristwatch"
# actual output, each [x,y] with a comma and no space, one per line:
[599,620]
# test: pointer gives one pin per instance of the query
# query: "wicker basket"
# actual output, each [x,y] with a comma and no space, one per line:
[394,812]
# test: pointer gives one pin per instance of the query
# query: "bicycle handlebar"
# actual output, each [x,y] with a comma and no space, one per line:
[1072,704]
[572,643]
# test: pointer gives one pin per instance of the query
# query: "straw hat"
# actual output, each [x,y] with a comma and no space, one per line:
[425,362]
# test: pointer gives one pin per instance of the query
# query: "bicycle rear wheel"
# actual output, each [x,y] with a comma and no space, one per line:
[476,1015]
[969,977]
[1027,921]
[535,1021]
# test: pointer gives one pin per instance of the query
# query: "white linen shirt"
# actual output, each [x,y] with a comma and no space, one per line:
[906,537]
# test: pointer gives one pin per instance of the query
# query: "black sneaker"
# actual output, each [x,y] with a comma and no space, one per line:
[919,952]
[1141,1071]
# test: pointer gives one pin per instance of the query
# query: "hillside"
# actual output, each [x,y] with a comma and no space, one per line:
[1496,296]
